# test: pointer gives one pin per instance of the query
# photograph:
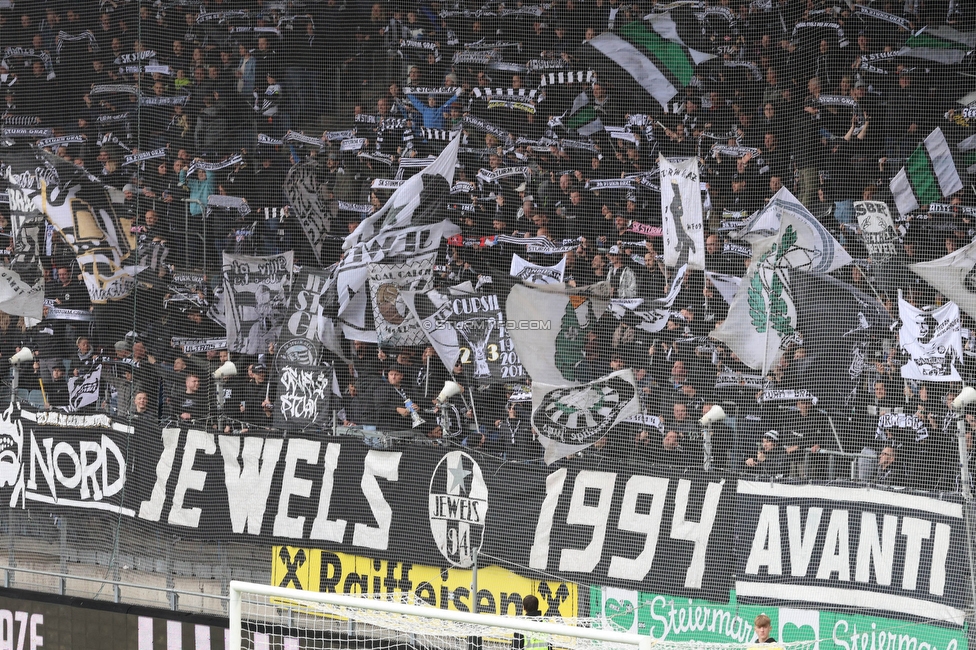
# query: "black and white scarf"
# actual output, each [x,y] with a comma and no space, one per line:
[214,166]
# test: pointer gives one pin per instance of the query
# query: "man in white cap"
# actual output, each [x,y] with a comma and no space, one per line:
[623,282]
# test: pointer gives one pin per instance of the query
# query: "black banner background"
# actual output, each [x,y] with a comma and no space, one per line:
[686,534]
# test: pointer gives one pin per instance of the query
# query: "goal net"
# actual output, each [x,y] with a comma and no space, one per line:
[264,617]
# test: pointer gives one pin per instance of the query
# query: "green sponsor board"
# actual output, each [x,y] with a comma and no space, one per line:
[666,618]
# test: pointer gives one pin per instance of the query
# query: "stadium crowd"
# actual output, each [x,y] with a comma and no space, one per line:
[229,81]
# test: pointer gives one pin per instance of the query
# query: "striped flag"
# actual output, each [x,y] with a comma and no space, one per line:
[653,54]
[929,175]
[941,44]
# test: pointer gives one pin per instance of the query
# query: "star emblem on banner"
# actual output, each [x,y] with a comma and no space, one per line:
[457,475]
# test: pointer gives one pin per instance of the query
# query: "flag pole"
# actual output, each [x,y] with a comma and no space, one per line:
[865,276]
[769,309]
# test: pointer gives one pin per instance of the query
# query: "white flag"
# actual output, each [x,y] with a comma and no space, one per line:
[814,249]
[569,419]
[727,285]
[681,209]
[933,340]
[536,274]
[954,276]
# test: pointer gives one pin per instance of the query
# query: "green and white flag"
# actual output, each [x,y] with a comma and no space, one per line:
[816,249]
[582,118]
[941,44]
[550,327]
[929,175]
[653,54]
[762,318]
[569,419]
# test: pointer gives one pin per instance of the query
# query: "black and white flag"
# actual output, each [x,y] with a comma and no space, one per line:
[395,325]
[81,209]
[838,323]
[653,314]
[21,279]
[83,390]
[256,294]
[933,340]
[305,397]
[309,204]
[681,207]
[311,319]
[954,276]
[468,328]
[877,229]
[536,274]
[410,224]
[413,202]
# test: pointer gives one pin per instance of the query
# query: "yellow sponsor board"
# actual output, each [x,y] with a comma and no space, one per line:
[499,590]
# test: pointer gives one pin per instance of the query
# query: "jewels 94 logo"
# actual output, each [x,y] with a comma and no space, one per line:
[582,414]
[457,508]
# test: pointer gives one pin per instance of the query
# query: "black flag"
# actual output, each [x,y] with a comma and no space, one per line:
[837,322]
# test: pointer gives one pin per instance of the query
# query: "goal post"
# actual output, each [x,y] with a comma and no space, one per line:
[398,624]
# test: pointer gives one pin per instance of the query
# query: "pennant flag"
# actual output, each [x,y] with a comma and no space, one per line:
[395,325]
[569,419]
[582,118]
[83,390]
[814,248]
[681,208]
[470,328]
[256,295]
[941,44]
[652,53]
[536,274]
[929,175]
[549,348]
[838,323]
[933,340]
[22,279]
[954,276]
[81,209]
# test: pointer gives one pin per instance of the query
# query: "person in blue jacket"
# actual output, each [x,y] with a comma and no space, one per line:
[433,115]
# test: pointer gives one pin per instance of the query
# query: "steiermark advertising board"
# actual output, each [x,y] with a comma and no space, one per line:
[666,618]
